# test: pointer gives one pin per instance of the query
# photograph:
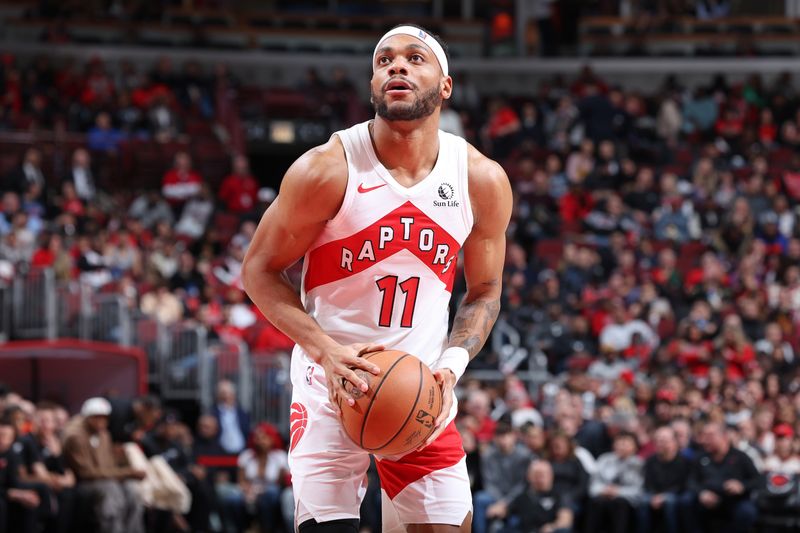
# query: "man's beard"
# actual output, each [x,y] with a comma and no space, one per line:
[421,107]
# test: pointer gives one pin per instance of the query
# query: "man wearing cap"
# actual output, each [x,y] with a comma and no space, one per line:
[382,212]
[785,459]
[88,452]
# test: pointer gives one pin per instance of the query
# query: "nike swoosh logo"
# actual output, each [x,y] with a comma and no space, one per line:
[363,189]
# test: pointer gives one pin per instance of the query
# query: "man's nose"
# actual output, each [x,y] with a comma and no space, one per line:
[397,68]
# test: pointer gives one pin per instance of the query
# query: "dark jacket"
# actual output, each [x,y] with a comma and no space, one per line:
[534,509]
[665,476]
[706,474]
[570,479]
[241,416]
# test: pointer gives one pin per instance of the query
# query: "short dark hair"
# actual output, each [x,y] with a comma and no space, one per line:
[437,37]
[149,401]
[628,435]
[503,428]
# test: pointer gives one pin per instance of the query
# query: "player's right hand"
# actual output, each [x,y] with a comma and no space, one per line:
[340,365]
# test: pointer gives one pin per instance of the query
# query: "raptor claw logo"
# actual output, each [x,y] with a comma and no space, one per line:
[298,420]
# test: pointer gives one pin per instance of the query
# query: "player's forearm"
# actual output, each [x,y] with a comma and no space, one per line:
[474,319]
[281,305]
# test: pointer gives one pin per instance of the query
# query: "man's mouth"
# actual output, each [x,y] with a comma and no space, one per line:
[397,87]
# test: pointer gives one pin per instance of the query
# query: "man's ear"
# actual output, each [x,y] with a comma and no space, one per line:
[447,87]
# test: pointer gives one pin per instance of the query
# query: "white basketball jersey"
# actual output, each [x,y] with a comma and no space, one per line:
[383,268]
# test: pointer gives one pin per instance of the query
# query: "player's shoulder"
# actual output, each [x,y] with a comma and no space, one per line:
[325,162]
[484,173]
[489,187]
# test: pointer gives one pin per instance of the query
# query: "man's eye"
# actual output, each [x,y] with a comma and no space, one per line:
[416,57]
[383,60]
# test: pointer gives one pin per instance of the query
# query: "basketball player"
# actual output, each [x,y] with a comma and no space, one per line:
[380,213]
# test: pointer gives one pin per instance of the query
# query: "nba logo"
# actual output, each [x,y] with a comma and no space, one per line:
[422,35]
[309,374]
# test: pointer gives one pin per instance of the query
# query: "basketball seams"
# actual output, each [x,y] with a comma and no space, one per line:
[410,413]
[372,400]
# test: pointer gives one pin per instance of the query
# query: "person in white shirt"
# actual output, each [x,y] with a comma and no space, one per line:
[616,486]
[450,120]
[263,478]
[785,460]
[81,175]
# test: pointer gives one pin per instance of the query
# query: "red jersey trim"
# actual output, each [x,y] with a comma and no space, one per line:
[444,452]
[405,228]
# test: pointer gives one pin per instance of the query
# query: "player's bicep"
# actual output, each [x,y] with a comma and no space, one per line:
[483,262]
[485,248]
[310,195]
[281,238]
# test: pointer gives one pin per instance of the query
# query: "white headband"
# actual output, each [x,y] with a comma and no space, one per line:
[413,31]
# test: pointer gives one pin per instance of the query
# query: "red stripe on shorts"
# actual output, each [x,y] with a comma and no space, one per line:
[445,451]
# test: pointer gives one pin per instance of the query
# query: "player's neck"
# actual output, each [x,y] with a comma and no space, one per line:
[411,146]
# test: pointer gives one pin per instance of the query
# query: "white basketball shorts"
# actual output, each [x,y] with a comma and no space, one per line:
[328,470]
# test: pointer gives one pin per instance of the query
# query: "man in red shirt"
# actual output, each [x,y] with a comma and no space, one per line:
[239,191]
[181,182]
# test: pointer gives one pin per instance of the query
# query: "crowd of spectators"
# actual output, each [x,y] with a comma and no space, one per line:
[116,104]
[653,269]
[62,473]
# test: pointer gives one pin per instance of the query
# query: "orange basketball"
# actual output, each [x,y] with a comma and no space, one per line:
[396,414]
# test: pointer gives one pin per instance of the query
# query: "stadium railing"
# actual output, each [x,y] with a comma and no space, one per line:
[183,363]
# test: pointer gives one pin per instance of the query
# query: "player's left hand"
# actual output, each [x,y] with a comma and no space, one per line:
[447,382]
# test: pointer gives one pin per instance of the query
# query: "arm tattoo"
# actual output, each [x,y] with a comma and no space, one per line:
[473,323]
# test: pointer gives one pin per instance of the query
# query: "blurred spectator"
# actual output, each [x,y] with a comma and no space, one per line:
[181,182]
[541,507]
[450,120]
[532,128]
[577,203]
[27,175]
[616,487]
[150,208]
[131,419]
[17,504]
[569,476]
[88,452]
[699,111]
[713,9]
[162,305]
[169,440]
[596,112]
[473,458]
[52,482]
[786,458]
[164,255]
[263,471]
[234,422]
[52,254]
[80,175]
[504,465]
[239,191]
[195,215]
[722,479]
[103,137]
[665,476]
[162,118]
[478,407]
[501,128]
